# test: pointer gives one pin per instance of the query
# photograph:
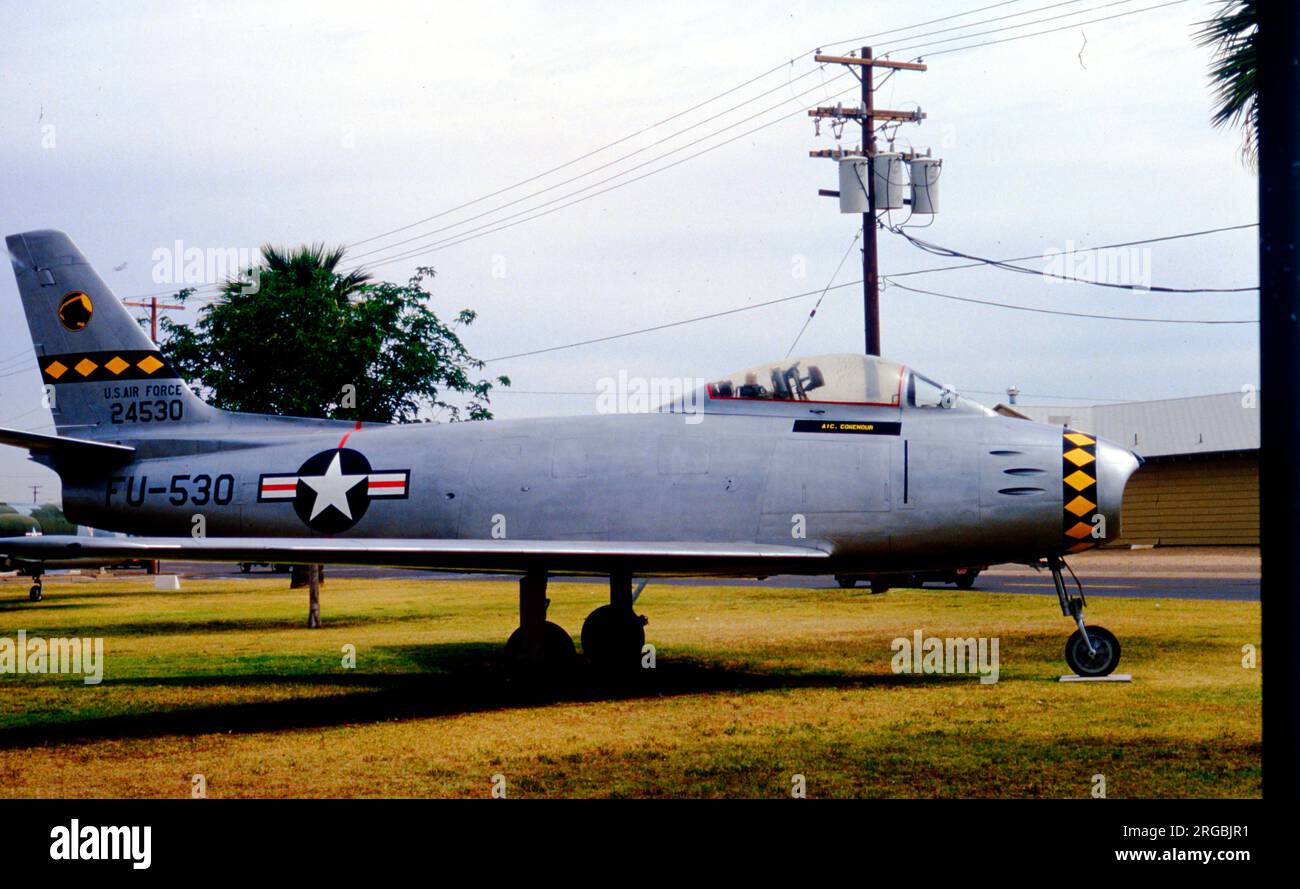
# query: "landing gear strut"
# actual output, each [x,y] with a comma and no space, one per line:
[37,592]
[537,641]
[1090,650]
[613,635]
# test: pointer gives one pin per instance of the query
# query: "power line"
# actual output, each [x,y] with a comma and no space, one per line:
[617,160]
[670,324]
[892,283]
[1050,18]
[818,304]
[580,158]
[691,109]
[934,21]
[975,265]
[1068,27]
[461,238]
[990,21]
[608,164]
[983,302]
[937,250]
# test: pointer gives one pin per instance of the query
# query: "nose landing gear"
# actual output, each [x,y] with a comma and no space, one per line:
[1091,651]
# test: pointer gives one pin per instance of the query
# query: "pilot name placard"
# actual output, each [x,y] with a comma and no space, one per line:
[848,427]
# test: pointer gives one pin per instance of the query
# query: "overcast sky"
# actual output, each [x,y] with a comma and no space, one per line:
[227,125]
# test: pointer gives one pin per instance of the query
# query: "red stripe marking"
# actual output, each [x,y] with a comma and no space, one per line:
[292,487]
[388,484]
[344,440]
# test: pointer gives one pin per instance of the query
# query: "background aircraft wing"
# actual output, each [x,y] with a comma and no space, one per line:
[556,556]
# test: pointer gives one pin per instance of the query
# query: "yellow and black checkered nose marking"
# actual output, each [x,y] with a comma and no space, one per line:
[1078,490]
[98,367]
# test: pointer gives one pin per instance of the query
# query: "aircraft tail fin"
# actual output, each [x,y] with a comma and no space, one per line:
[102,375]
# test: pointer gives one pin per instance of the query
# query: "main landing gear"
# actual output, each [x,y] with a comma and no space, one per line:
[37,592]
[538,641]
[1090,650]
[612,636]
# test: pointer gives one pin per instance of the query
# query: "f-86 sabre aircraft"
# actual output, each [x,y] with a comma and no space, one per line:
[835,465]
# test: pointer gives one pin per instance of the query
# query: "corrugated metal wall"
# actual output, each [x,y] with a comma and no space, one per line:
[1206,500]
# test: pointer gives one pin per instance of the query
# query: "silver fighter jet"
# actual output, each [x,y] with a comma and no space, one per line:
[831,465]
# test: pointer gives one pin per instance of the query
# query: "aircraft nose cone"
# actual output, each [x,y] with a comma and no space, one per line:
[1115,465]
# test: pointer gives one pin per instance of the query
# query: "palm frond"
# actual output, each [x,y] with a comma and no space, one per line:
[1231,34]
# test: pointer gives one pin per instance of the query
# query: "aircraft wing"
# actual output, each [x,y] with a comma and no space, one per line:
[555,556]
[59,446]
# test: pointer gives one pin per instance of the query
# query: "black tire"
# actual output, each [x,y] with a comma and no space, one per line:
[845,581]
[35,594]
[557,645]
[245,568]
[966,581]
[1084,664]
[613,639]
[879,585]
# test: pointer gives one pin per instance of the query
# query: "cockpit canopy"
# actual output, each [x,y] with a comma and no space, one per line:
[839,379]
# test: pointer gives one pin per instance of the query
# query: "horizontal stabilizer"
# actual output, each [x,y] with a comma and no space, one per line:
[60,447]
[555,556]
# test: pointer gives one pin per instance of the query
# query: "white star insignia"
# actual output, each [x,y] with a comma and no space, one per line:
[332,489]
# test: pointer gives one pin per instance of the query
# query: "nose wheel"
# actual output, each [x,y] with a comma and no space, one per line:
[1091,651]
[1099,660]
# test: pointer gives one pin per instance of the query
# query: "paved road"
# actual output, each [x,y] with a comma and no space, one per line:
[997,580]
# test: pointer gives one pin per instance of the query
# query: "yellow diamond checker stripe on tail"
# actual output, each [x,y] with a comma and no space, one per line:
[1078,490]
[93,367]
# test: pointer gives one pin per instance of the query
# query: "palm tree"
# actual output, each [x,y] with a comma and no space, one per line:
[303,265]
[1232,35]
[307,266]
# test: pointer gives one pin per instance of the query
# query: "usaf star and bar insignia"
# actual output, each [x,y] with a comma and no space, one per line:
[333,489]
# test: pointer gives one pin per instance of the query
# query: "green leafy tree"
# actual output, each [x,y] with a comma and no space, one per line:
[1233,72]
[312,340]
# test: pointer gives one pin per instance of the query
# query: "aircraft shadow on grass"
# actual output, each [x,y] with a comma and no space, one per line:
[456,679]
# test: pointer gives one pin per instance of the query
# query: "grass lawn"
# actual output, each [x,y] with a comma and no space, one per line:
[752,686]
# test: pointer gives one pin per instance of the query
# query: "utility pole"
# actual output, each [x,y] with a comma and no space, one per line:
[1277,43]
[863,68]
[870,261]
[152,305]
[35,490]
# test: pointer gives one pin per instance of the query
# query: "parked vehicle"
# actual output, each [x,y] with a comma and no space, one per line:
[247,567]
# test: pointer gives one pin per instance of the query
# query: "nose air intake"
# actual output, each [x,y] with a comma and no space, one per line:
[1094,473]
